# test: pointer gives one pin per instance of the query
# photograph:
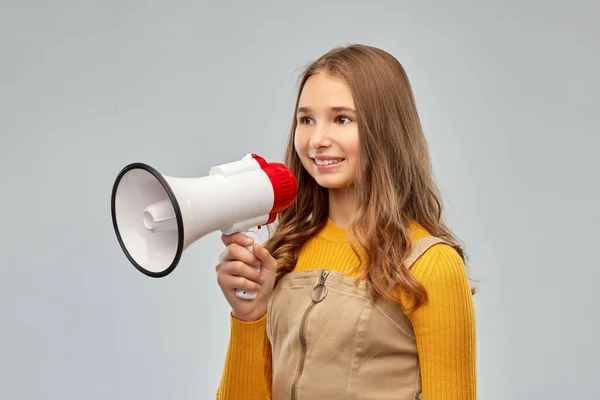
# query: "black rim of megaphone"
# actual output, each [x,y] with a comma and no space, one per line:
[165,185]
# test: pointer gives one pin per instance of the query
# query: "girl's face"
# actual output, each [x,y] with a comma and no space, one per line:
[326,137]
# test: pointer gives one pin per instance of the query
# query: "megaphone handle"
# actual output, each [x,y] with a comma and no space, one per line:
[243,294]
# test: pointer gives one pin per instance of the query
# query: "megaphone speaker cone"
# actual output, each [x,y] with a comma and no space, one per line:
[147,220]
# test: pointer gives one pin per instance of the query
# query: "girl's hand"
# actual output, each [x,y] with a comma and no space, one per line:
[234,272]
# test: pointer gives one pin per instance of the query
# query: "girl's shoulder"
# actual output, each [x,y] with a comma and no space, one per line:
[439,262]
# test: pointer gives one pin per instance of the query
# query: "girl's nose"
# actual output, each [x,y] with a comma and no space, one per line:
[319,137]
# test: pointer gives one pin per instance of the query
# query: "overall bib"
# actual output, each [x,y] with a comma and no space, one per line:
[330,341]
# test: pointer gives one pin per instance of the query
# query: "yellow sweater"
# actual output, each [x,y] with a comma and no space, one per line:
[444,327]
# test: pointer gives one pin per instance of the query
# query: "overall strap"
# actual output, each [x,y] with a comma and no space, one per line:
[420,247]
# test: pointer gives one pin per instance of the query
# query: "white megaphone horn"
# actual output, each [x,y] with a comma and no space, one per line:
[157,217]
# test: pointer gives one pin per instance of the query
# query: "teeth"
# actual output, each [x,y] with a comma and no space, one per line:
[327,162]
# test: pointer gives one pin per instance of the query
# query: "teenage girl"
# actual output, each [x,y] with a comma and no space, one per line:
[362,290]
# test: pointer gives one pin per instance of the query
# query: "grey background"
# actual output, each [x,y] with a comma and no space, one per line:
[508,94]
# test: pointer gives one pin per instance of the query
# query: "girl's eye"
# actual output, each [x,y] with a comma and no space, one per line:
[305,120]
[343,120]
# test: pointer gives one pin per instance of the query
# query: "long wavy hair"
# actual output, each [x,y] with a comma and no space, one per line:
[394,184]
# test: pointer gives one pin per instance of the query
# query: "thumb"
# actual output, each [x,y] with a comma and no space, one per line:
[267,261]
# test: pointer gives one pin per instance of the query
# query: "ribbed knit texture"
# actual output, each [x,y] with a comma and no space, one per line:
[444,327]
[247,372]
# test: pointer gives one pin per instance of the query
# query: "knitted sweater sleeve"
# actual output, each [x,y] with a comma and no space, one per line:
[445,327]
[247,371]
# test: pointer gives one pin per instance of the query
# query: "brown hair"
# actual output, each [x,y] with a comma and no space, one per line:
[395,175]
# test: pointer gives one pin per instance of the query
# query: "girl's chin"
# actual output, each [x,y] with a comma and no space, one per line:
[333,184]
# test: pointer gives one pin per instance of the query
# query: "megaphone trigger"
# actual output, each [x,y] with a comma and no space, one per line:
[243,294]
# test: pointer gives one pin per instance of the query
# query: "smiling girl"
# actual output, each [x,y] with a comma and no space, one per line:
[362,290]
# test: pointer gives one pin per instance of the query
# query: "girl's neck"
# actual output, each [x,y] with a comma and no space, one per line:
[341,206]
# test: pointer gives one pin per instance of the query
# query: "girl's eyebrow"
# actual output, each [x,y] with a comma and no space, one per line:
[303,110]
[334,109]
[343,109]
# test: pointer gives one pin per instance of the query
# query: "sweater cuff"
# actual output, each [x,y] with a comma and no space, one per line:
[248,333]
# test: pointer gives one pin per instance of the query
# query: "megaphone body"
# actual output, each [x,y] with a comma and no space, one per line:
[157,217]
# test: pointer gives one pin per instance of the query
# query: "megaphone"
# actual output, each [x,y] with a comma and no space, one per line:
[157,217]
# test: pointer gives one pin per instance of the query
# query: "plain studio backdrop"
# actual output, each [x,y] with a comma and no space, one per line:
[508,95]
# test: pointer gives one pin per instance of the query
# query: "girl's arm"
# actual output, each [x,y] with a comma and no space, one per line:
[247,371]
[445,327]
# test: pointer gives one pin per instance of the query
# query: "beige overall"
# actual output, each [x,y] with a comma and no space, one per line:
[329,341]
